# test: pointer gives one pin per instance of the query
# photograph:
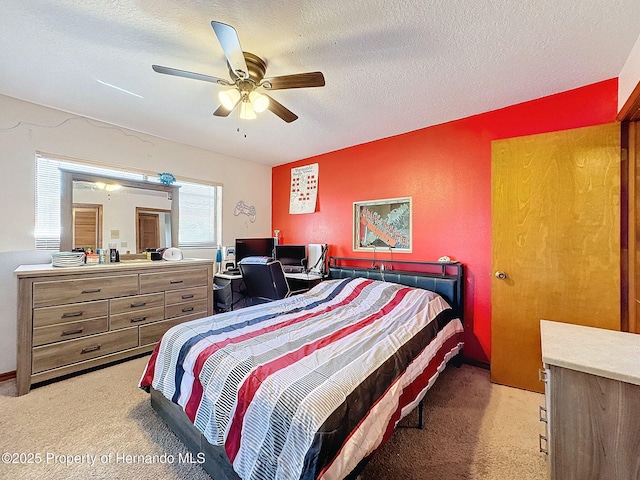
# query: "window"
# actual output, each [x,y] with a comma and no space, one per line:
[47,231]
[199,204]
[199,209]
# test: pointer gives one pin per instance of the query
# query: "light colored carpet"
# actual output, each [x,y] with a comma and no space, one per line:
[474,430]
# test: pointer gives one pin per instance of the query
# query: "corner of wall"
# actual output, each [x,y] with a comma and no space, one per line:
[629,75]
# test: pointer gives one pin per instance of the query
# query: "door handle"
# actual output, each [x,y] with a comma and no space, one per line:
[501,275]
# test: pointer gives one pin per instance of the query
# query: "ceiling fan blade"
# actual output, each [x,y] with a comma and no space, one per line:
[184,73]
[298,80]
[228,38]
[280,110]
[222,111]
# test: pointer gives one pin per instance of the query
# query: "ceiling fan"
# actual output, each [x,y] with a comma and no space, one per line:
[247,80]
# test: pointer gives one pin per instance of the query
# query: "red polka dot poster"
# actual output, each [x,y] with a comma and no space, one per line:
[304,189]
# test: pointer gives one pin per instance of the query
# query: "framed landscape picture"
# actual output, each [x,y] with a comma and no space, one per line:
[383,225]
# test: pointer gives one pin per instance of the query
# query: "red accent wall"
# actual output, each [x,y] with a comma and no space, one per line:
[447,170]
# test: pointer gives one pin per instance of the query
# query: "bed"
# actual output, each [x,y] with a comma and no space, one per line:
[308,387]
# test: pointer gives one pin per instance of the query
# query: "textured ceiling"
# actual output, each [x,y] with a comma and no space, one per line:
[390,66]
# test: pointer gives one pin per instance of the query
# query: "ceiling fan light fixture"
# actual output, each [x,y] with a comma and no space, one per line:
[229,98]
[247,72]
[260,102]
[246,110]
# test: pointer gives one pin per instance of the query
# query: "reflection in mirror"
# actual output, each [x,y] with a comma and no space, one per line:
[153,228]
[87,225]
[100,212]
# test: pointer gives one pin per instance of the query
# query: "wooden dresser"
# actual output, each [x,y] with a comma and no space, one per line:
[592,397]
[72,319]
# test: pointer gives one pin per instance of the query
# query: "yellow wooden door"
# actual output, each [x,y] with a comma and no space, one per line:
[555,201]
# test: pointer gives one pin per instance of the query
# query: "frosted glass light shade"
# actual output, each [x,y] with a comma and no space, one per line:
[246,111]
[260,102]
[229,98]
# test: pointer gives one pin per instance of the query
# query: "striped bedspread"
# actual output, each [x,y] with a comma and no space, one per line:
[309,386]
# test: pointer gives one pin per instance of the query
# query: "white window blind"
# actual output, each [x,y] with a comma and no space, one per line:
[199,204]
[199,214]
[47,228]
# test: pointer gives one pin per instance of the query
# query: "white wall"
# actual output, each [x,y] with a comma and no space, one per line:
[26,128]
[629,76]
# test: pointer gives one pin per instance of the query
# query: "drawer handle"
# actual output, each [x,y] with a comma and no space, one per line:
[92,348]
[543,414]
[72,314]
[138,319]
[138,304]
[544,449]
[176,281]
[185,297]
[187,309]
[72,332]
[542,375]
[92,290]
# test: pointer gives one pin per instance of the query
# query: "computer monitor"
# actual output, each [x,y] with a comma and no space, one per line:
[291,254]
[254,247]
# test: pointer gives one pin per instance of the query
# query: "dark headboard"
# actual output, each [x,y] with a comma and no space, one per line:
[444,278]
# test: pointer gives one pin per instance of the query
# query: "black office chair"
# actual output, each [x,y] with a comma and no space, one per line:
[264,279]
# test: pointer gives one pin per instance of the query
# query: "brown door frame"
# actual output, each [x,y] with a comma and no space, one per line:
[145,210]
[629,115]
[630,231]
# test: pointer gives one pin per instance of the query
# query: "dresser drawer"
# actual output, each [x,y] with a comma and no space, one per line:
[186,295]
[60,292]
[138,317]
[173,280]
[187,308]
[74,312]
[67,331]
[153,332]
[72,351]
[137,302]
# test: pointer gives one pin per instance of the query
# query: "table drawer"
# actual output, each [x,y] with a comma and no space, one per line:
[74,312]
[72,351]
[187,308]
[67,331]
[186,295]
[173,280]
[60,292]
[137,302]
[139,317]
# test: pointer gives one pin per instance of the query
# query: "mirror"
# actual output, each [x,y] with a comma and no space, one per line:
[99,212]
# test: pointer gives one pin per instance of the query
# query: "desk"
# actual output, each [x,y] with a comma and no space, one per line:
[301,282]
[229,290]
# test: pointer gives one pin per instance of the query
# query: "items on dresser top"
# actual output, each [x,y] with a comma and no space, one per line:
[67,259]
[172,254]
[77,318]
